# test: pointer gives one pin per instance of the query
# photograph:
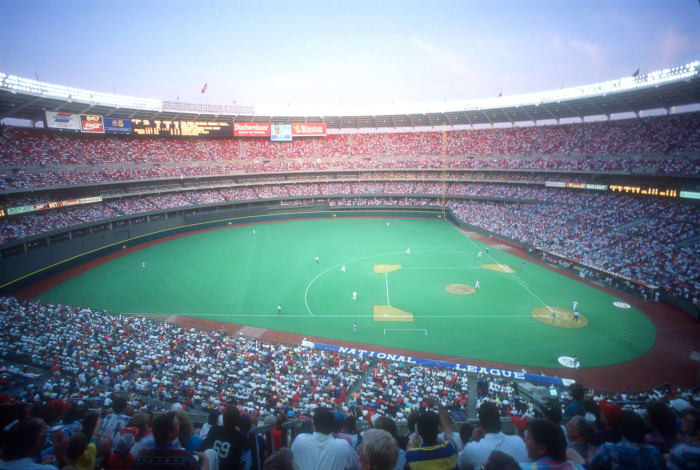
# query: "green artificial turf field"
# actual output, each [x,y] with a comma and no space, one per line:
[233,275]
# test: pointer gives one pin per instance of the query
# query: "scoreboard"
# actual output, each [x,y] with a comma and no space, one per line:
[165,128]
[645,190]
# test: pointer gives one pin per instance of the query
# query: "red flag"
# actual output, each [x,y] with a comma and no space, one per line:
[204,88]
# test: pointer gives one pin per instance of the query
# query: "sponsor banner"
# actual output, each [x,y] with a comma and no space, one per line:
[91,124]
[597,187]
[309,129]
[62,120]
[492,371]
[52,205]
[690,194]
[251,129]
[281,133]
[117,126]
[555,184]
[576,185]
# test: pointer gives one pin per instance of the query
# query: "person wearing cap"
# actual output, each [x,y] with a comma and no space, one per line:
[433,453]
[322,451]
[546,447]
[608,428]
[121,457]
[630,452]
[476,453]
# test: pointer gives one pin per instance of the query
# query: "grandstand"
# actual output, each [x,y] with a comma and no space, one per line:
[607,204]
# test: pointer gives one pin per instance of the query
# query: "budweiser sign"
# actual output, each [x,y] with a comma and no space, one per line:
[251,129]
[303,129]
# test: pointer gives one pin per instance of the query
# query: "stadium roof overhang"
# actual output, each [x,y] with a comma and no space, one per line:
[30,102]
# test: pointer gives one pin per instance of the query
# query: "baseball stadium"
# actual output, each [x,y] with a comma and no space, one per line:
[205,254]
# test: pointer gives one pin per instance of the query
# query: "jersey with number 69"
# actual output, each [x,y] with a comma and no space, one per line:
[228,445]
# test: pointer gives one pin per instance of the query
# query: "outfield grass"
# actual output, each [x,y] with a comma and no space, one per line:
[233,275]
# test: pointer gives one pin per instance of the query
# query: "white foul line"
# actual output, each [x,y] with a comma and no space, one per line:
[386,281]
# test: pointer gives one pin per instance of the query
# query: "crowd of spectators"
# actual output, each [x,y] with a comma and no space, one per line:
[653,135]
[60,363]
[645,239]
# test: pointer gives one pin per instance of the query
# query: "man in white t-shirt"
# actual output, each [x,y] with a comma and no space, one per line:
[322,451]
[475,453]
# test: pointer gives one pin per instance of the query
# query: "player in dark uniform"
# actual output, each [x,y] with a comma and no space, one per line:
[228,442]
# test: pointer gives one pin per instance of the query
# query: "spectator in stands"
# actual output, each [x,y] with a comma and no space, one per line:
[283,459]
[433,453]
[113,422]
[378,451]
[227,440]
[687,454]
[25,440]
[166,453]
[608,430]
[580,434]
[212,420]
[320,450]
[546,447]
[121,457]
[465,433]
[663,422]
[387,424]
[576,406]
[499,461]
[490,438]
[631,452]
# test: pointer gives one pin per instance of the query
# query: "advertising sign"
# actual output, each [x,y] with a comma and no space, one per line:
[309,129]
[62,120]
[251,129]
[91,124]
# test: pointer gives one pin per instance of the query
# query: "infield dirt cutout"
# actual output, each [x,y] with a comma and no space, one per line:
[565,317]
[459,289]
[389,313]
[501,268]
[386,268]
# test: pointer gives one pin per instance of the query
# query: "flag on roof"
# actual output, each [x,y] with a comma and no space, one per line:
[204,88]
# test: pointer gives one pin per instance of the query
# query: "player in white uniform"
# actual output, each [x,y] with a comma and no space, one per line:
[354,327]
[388,224]
[253,231]
[477,285]
[143,265]
[575,304]
[478,255]
[279,309]
[408,251]
[354,295]
[342,268]
[317,260]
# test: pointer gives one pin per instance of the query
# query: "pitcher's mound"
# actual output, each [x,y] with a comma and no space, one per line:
[459,289]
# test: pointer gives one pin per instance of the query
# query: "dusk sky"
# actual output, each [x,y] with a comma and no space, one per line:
[357,53]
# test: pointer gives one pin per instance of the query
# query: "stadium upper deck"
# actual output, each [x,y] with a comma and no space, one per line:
[28,99]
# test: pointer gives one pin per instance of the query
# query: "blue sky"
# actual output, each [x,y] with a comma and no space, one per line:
[356,53]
